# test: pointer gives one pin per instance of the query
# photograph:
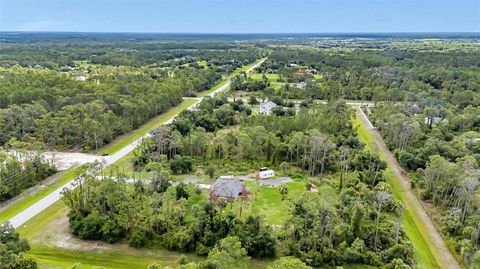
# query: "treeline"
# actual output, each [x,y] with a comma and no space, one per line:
[308,139]
[65,52]
[20,170]
[440,145]
[42,105]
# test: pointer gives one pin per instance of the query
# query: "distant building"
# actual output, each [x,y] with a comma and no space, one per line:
[312,71]
[228,187]
[433,120]
[415,109]
[266,107]
[81,78]
[265,173]
[301,85]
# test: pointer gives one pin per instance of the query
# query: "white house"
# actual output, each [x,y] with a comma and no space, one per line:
[433,121]
[81,78]
[265,173]
[301,85]
[266,107]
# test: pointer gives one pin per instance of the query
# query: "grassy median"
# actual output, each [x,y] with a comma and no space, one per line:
[414,228]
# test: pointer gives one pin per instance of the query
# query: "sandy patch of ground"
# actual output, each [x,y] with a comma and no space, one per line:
[65,160]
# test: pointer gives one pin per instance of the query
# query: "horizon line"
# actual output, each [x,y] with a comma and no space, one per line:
[243,33]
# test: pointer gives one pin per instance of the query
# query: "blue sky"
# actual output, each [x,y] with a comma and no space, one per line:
[241,16]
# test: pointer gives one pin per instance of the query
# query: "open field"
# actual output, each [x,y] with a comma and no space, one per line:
[270,77]
[427,253]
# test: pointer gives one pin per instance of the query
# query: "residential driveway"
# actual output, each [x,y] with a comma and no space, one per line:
[275,182]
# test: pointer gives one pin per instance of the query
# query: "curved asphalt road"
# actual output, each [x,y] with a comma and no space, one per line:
[53,197]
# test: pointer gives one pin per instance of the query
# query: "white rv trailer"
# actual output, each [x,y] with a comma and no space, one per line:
[265,173]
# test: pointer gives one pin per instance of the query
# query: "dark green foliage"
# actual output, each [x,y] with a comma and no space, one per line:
[181,191]
[11,249]
[16,176]
[181,164]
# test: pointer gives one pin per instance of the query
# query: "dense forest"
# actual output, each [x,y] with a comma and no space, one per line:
[20,170]
[427,109]
[440,146]
[397,72]
[349,221]
[82,94]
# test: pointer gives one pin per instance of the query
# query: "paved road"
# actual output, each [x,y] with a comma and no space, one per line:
[442,255]
[318,101]
[53,197]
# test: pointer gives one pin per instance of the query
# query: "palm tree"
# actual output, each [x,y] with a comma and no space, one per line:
[283,189]
[284,167]
[383,197]
[222,203]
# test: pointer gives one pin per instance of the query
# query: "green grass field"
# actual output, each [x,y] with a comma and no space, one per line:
[268,201]
[270,77]
[412,225]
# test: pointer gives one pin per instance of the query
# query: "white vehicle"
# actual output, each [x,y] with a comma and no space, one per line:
[265,173]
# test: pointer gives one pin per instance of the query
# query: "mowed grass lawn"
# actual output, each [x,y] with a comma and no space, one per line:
[267,201]
[270,77]
[413,227]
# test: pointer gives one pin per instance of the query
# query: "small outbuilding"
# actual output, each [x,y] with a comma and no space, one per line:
[301,85]
[81,78]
